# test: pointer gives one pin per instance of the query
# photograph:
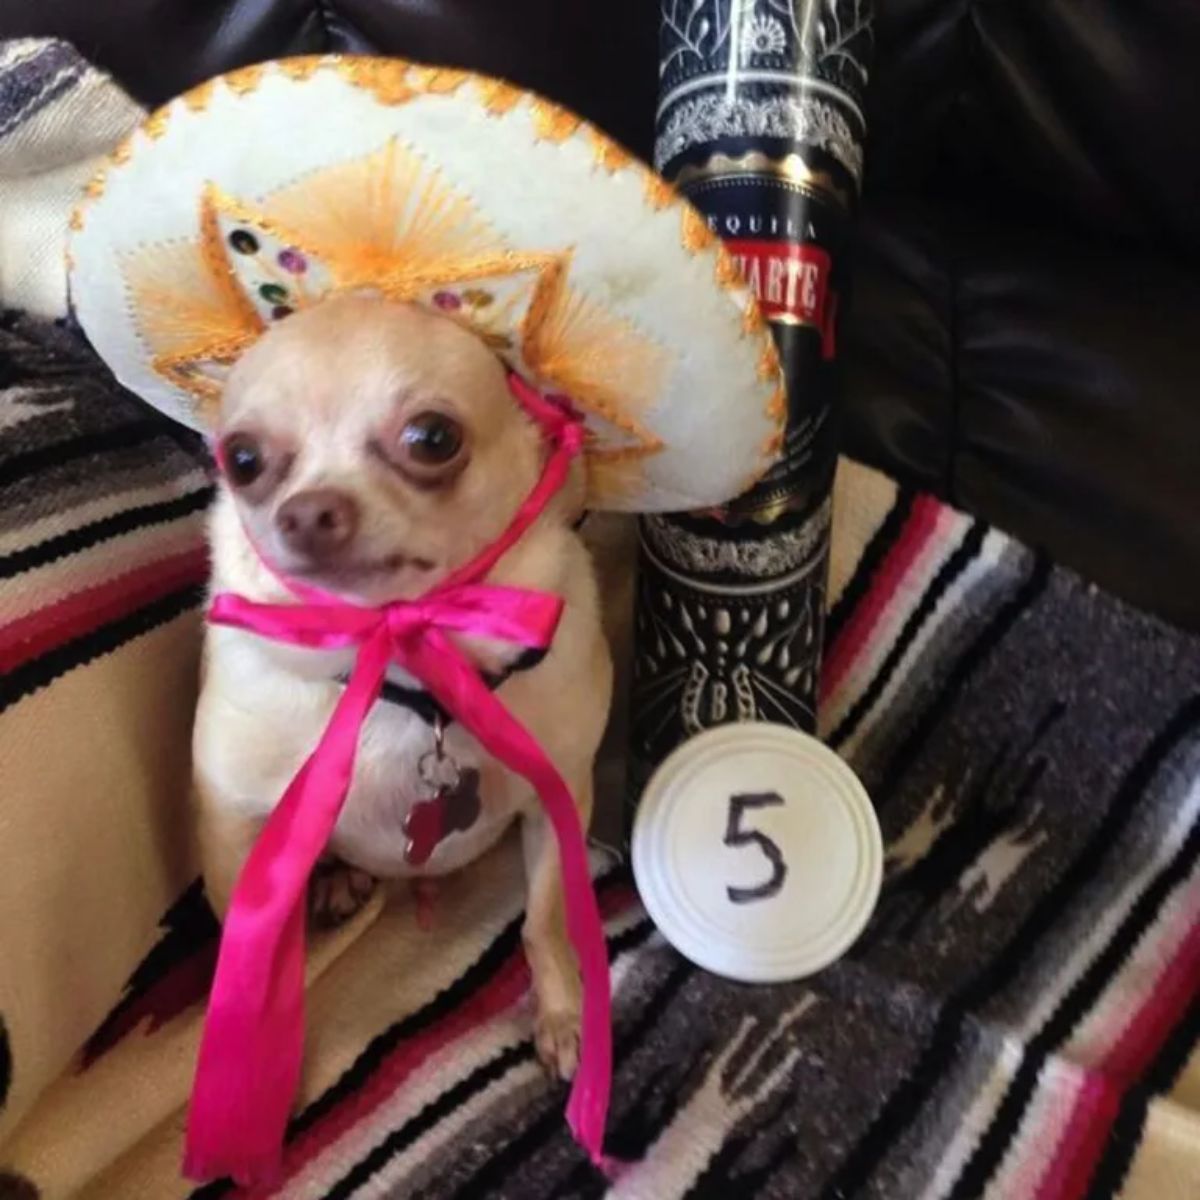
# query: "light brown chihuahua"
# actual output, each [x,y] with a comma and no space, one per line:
[371,448]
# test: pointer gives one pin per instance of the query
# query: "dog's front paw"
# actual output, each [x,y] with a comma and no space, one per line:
[556,1036]
[336,892]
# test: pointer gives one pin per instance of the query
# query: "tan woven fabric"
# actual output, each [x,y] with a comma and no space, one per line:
[114,1127]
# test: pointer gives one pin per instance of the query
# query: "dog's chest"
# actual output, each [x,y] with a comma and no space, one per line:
[410,812]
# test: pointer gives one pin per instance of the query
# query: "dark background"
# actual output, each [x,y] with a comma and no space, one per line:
[1024,337]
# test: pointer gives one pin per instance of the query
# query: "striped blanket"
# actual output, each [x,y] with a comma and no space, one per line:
[1020,1019]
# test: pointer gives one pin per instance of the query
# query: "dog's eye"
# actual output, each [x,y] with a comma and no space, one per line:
[243,458]
[431,439]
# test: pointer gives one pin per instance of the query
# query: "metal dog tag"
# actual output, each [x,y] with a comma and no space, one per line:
[453,807]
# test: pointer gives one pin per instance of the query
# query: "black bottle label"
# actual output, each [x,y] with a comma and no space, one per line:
[731,601]
[760,125]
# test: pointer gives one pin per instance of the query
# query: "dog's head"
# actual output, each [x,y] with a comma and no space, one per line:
[372,447]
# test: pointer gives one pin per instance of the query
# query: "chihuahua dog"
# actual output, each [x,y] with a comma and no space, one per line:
[370,448]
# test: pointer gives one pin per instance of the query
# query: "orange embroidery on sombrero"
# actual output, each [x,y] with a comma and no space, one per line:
[197,99]
[695,233]
[383,219]
[753,322]
[607,153]
[498,97]
[155,125]
[122,152]
[768,361]
[303,67]
[601,361]
[390,221]
[659,193]
[551,123]
[245,79]
[386,79]
[726,271]
[777,406]
[438,81]
[188,310]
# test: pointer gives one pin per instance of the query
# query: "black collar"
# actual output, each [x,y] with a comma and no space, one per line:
[419,701]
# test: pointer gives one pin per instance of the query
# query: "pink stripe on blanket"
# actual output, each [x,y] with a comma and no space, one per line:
[1100,1107]
[919,531]
[505,990]
[29,636]
[1099,1099]
[1169,997]
[1095,1106]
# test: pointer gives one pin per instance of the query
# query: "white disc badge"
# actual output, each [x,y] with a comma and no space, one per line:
[757,853]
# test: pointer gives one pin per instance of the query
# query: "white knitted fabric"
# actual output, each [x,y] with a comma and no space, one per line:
[59,116]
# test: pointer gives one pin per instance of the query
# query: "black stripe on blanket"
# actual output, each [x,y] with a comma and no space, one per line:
[1073,1007]
[451,1099]
[31,676]
[358,1074]
[714,1182]
[991,635]
[73,541]
[53,455]
[954,565]
[869,563]
[514,1151]
[629,1134]
[1109,1176]
[907,1100]
[648,1111]
[30,84]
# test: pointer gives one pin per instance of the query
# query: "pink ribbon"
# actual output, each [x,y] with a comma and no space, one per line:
[252,1047]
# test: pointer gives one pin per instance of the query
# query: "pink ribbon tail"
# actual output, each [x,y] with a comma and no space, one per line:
[454,682]
[253,1042]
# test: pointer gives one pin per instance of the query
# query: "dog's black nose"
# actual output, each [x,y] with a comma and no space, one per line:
[318,523]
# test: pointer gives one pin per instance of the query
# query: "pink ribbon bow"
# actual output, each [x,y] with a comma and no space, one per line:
[252,1046]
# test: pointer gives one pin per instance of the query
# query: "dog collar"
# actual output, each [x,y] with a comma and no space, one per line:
[419,701]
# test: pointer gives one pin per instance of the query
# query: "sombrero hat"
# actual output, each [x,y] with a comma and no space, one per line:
[272,187]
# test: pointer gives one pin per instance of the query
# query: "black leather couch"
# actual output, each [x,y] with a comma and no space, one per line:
[1025,334]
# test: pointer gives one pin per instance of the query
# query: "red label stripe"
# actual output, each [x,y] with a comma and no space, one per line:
[790,281]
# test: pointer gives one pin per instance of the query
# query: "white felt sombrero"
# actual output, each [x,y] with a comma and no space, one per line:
[267,189]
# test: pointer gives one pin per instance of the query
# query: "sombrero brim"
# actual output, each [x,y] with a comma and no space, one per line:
[271,187]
